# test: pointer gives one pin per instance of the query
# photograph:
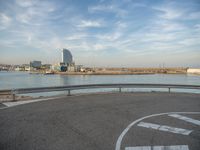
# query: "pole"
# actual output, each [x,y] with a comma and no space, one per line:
[69,94]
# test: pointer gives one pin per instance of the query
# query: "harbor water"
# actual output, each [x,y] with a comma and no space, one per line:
[14,80]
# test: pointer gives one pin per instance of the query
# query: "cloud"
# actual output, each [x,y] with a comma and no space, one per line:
[4,21]
[117,32]
[112,8]
[193,15]
[106,8]
[19,38]
[99,47]
[77,36]
[7,43]
[34,12]
[89,23]
[169,13]
[173,11]
[26,3]
[85,46]
[197,27]
[168,26]
[159,37]
[109,37]
[24,18]
[190,41]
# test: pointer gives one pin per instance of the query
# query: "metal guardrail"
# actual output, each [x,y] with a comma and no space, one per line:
[69,88]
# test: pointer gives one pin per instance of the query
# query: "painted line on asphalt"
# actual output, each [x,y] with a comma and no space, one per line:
[13,104]
[2,106]
[184,118]
[164,128]
[173,147]
[120,138]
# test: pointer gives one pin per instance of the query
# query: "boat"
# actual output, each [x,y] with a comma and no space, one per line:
[48,73]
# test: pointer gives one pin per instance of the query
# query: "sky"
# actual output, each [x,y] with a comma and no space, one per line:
[101,33]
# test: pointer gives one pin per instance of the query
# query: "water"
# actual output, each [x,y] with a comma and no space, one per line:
[11,80]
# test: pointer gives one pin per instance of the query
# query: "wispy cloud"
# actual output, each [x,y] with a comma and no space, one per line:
[168,26]
[109,37]
[90,23]
[172,11]
[33,12]
[26,3]
[111,8]
[169,13]
[4,21]
[106,8]
[24,18]
[76,36]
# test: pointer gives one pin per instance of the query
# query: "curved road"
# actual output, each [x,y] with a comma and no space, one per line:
[96,121]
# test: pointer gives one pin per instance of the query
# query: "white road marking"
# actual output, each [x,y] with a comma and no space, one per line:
[174,147]
[164,128]
[119,140]
[187,119]
[13,104]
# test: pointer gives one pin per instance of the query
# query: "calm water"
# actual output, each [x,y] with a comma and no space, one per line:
[10,80]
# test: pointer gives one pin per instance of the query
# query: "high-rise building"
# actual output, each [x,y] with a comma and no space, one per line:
[66,57]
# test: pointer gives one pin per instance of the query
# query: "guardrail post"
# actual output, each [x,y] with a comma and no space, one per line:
[169,90]
[120,89]
[13,97]
[68,94]
[13,93]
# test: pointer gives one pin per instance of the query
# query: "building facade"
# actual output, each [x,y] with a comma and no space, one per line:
[66,57]
[35,64]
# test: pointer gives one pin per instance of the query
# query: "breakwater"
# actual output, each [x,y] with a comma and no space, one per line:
[126,71]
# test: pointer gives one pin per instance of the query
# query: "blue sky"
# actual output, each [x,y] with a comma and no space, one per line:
[118,33]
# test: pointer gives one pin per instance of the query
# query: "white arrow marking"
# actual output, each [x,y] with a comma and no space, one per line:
[164,128]
[174,147]
[187,119]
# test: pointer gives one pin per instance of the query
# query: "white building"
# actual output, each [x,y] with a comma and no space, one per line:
[27,68]
[193,70]
[71,67]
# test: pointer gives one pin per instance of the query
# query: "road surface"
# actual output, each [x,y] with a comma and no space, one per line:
[113,121]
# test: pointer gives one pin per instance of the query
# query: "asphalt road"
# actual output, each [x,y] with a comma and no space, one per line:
[95,122]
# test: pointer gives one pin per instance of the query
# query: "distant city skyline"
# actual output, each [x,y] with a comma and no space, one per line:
[101,33]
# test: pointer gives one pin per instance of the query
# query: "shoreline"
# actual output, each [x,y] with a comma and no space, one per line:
[110,73]
[101,73]
[116,71]
[120,71]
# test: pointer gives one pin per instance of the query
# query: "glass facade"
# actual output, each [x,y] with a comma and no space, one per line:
[66,56]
